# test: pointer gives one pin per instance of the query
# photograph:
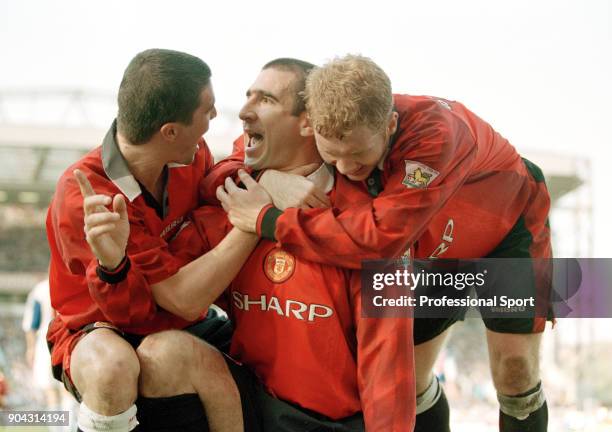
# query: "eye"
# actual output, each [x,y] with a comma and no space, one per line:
[267,99]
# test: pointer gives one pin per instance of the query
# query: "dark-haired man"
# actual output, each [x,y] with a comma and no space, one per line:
[442,181]
[308,359]
[121,308]
[298,324]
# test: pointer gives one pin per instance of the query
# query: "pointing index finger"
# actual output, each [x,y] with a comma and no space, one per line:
[84,185]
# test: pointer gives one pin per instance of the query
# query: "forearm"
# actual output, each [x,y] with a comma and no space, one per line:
[343,239]
[197,285]
[124,296]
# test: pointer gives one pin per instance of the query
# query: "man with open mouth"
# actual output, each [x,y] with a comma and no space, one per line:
[442,182]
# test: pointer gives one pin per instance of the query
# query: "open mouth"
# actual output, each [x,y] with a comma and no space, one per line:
[254,139]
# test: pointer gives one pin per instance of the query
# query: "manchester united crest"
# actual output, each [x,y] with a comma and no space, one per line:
[279,265]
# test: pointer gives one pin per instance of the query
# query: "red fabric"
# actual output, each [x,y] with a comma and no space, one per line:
[482,213]
[335,365]
[227,167]
[77,294]
[479,172]
[483,186]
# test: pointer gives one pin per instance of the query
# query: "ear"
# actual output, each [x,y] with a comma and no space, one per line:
[306,130]
[169,131]
[393,122]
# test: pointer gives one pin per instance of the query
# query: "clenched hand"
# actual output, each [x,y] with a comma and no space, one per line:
[243,206]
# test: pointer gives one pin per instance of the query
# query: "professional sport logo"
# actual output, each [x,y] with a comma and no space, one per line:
[279,265]
[418,175]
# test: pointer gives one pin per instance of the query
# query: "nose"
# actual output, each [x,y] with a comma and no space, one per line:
[347,166]
[246,112]
[213,114]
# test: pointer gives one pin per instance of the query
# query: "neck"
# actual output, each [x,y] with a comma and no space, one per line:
[143,162]
[307,155]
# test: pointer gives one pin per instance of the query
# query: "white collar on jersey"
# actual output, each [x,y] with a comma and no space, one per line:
[323,178]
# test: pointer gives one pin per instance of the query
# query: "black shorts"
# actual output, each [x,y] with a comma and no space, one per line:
[264,412]
[428,326]
[517,244]
[215,329]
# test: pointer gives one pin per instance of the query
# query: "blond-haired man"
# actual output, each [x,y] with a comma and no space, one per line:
[430,166]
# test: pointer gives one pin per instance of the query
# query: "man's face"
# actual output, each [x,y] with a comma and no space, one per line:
[187,140]
[357,154]
[271,132]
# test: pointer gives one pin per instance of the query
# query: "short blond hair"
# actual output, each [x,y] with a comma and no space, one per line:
[346,93]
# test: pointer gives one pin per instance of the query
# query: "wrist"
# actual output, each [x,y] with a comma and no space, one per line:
[116,275]
[111,266]
[266,222]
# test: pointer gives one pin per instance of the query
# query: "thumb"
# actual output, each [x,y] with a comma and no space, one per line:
[119,206]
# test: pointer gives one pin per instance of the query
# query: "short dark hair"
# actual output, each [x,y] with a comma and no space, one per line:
[159,86]
[301,69]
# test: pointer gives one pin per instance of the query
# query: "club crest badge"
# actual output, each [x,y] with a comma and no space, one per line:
[279,265]
[418,175]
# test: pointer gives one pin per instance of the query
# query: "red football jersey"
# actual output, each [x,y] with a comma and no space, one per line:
[442,153]
[298,326]
[77,293]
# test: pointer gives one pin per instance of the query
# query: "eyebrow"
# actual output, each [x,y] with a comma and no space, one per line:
[249,92]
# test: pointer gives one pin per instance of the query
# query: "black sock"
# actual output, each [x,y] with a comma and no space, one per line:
[436,418]
[536,422]
[183,413]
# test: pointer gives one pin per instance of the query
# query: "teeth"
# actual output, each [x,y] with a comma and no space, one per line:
[254,140]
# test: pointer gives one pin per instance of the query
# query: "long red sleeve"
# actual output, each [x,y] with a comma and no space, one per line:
[385,226]
[385,368]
